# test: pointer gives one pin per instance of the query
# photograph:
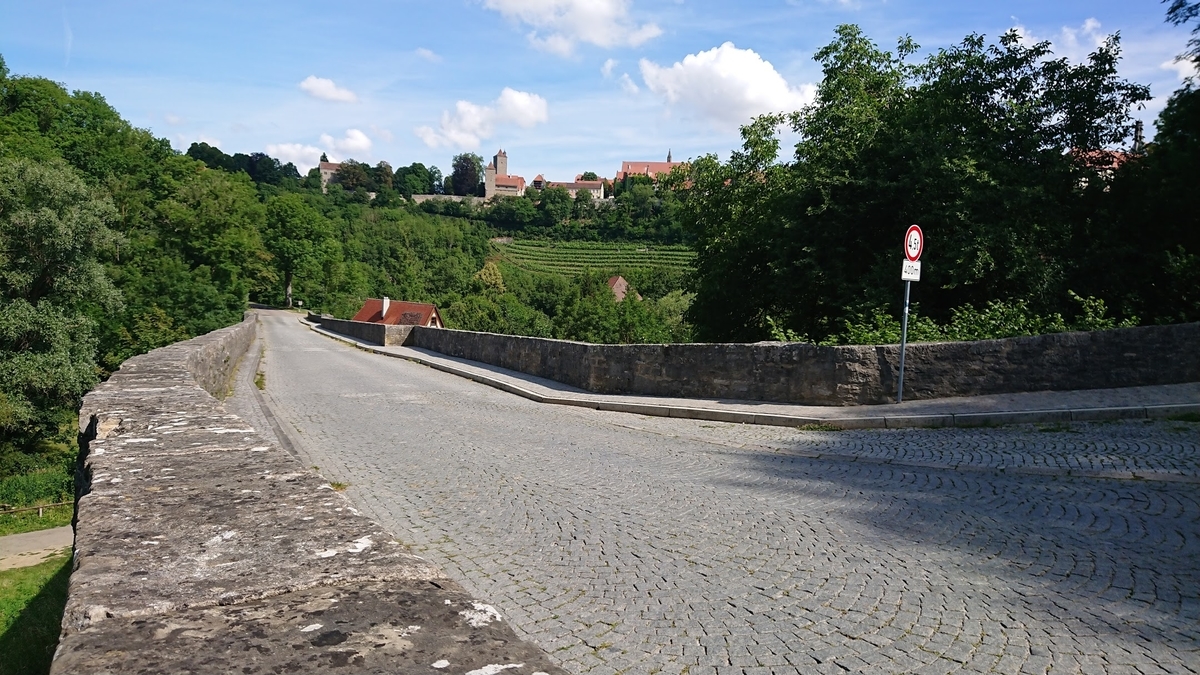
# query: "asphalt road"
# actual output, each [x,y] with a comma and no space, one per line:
[624,544]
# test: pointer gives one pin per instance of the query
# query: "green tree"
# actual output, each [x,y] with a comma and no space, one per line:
[555,206]
[583,208]
[1180,12]
[467,174]
[589,175]
[988,147]
[52,231]
[296,234]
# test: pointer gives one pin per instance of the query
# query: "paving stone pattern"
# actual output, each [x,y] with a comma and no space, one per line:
[625,544]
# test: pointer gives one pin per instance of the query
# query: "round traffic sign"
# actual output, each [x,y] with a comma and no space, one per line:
[914,243]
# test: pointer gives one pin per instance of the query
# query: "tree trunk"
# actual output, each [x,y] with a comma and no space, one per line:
[287,279]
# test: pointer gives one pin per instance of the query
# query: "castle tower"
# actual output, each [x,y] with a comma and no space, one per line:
[500,161]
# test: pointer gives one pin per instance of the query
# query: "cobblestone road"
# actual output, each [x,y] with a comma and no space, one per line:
[628,544]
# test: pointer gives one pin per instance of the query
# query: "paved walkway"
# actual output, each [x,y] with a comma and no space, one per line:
[646,544]
[1154,402]
[31,548]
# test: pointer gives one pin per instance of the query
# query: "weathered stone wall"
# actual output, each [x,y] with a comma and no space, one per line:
[813,375]
[373,333]
[202,547]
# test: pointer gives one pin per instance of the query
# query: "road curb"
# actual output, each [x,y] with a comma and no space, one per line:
[963,420]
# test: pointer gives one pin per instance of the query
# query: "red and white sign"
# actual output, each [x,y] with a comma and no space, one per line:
[914,243]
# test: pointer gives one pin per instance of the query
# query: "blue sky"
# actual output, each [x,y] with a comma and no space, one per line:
[564,86]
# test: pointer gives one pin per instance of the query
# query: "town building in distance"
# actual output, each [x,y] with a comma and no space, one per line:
[498,182]
[651,170]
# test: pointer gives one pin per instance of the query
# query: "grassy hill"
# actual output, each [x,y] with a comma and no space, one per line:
[572,258]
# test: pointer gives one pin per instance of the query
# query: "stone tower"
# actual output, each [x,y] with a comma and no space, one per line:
[500,161]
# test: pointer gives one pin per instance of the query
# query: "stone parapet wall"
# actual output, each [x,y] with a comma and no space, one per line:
[200,546]
[814,375]
[374,333]
[849,375]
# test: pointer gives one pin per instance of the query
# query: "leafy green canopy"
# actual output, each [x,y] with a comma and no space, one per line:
[999,151]
[52,231]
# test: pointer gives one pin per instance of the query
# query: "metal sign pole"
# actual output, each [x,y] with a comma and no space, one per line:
[903,343]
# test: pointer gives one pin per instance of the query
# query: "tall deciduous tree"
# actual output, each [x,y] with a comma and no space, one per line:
[52,230]
[467,173]
[296,234]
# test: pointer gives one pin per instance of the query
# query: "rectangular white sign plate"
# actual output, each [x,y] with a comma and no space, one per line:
[911,271]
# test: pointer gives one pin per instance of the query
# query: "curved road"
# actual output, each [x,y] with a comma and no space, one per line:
[627,544]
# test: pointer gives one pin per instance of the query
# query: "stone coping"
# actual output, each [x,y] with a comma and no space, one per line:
[202,547]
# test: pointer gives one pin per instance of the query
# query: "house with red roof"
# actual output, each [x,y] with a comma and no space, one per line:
[399,313]
[620,288]
[651,170]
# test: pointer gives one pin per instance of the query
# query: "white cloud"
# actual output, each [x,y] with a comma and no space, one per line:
[303,156]
[208,139]
[354,142]
[607,68]
[627,84]
[173,120]
[428,54]
[1075,43]
[728,85]
[563,23]
[1183,68]
[385,134]
[471,123]
[319,87]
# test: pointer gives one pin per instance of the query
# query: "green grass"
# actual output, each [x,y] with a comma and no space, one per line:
[573,257]
[28,521]
[818,426]
[31,609]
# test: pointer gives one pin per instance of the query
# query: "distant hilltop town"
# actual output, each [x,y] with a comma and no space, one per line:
[499,182]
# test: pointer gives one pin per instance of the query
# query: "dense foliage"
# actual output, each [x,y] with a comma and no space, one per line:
[112,244]
[1002,153]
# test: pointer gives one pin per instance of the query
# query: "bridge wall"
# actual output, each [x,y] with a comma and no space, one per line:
[200,546]
[814,375]
[374,333]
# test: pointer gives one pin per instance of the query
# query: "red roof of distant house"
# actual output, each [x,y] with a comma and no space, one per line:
[1101,160]
[620,288]
[399,313]
[330,166]
[517,182]
[650,169]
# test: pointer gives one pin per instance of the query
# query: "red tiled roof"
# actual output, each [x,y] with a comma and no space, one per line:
[620,287]
[1101,160]
[330,166]
[650,169]
[400,313]
[517,182]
